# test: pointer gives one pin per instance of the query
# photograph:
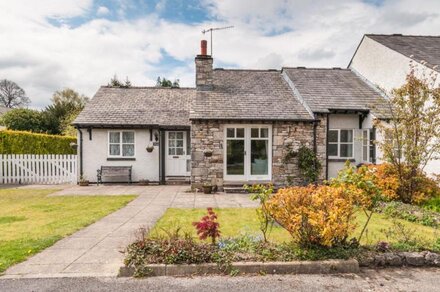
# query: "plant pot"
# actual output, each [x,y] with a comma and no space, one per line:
[84,183]
[207,189]
[150,149]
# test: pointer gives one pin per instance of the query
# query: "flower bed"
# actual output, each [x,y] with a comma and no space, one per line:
[410,213]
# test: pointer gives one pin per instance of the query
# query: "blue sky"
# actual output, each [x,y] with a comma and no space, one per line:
[48,45]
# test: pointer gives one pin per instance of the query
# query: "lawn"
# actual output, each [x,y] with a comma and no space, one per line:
[30,221]
[236,221]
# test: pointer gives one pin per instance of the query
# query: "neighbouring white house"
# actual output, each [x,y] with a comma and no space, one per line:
[384,61]
[234,127]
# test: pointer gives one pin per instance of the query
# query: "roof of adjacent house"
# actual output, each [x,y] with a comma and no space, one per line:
[324,90]
[248,95]
[137,106]
[418,48]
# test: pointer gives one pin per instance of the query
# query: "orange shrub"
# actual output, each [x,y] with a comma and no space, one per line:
[385,178]
[314,215]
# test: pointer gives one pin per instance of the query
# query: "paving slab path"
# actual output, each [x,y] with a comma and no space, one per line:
[96,250]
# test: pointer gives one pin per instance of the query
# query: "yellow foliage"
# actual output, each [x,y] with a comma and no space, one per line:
[314,215]
[385,178]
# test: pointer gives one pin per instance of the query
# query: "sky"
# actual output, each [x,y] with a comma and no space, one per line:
[48,45]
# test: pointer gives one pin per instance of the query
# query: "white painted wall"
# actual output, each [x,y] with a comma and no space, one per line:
[387,69]
[95,154]
[345,121]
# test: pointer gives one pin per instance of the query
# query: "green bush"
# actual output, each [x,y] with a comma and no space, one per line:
[433,204]
[17,142]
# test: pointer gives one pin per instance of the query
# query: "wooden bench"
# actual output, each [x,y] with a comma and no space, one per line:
[114,171]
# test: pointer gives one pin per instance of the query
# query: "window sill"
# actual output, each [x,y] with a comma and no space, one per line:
[341,159]
[121,159]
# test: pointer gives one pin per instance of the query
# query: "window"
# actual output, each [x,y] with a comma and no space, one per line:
[121,144]
[176,145]
[340,143]
[368,147]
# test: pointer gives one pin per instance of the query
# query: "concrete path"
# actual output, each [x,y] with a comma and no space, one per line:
[95,251]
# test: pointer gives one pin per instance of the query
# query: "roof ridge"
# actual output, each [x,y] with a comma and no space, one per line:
[402,35]
[240,69]
[145,87]
[316,68]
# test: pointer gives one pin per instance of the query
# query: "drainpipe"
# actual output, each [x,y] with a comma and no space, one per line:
[326,147]
[80,152]
[315,148]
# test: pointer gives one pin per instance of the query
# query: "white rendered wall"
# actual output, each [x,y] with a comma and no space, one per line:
[95,154]
[345,121]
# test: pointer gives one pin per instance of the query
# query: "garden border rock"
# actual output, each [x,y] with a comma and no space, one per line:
[399,259]
[296,267]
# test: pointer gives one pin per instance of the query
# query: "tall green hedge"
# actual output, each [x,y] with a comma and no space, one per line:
[19,142]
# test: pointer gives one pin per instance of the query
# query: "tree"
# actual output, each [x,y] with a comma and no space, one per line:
[23,119]
[411,139]
[163,82]
[115,82]
[12,95]
[65,107]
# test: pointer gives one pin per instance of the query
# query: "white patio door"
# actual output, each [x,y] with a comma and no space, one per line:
[248,154]
[176,157]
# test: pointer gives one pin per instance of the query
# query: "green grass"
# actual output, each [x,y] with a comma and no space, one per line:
[235,221]
[30,221]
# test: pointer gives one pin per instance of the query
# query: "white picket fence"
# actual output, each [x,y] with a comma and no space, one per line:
[38,169]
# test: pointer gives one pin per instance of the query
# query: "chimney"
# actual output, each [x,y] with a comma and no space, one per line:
[204,68]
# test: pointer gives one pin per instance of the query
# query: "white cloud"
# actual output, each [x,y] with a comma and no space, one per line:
[102,11]
[42,57]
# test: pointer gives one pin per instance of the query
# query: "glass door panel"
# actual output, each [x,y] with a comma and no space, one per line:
[259,157]
[235,157]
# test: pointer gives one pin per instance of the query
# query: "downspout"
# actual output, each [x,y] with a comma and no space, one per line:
[80,152]
[315,148]
[326,147]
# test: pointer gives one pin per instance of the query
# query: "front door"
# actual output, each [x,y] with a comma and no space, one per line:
[176,154]
[248,152]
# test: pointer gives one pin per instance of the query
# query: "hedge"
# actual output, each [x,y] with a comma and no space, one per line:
[20,142]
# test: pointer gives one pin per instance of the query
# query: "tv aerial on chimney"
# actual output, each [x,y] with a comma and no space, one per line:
[210,30]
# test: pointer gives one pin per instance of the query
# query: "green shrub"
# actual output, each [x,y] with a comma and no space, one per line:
[433,204]
[17,142]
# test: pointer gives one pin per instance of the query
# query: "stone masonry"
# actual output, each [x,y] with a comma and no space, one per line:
[291,136]
[206,136]
[209,136]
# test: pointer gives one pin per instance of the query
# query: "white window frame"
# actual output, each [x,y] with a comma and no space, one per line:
[339,143]
[120,144]
[247,144]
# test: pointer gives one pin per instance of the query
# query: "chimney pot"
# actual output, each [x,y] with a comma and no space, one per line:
[204,47]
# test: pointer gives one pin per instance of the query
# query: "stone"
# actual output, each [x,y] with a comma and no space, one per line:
[432,259]
[392,259]
[414,258]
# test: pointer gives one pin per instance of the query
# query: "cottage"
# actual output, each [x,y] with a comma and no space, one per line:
[234,127]
[384,61]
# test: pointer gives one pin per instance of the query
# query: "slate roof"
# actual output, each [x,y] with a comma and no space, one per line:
[248,95]
[419,48]
[138,106]
[336,89]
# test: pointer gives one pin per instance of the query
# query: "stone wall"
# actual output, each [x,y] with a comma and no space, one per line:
[206,135]
[291,136]
[209,135]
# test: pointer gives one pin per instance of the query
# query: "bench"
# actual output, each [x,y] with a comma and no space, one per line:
[114,171]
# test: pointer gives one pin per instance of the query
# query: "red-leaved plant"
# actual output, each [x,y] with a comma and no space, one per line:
[208,226]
